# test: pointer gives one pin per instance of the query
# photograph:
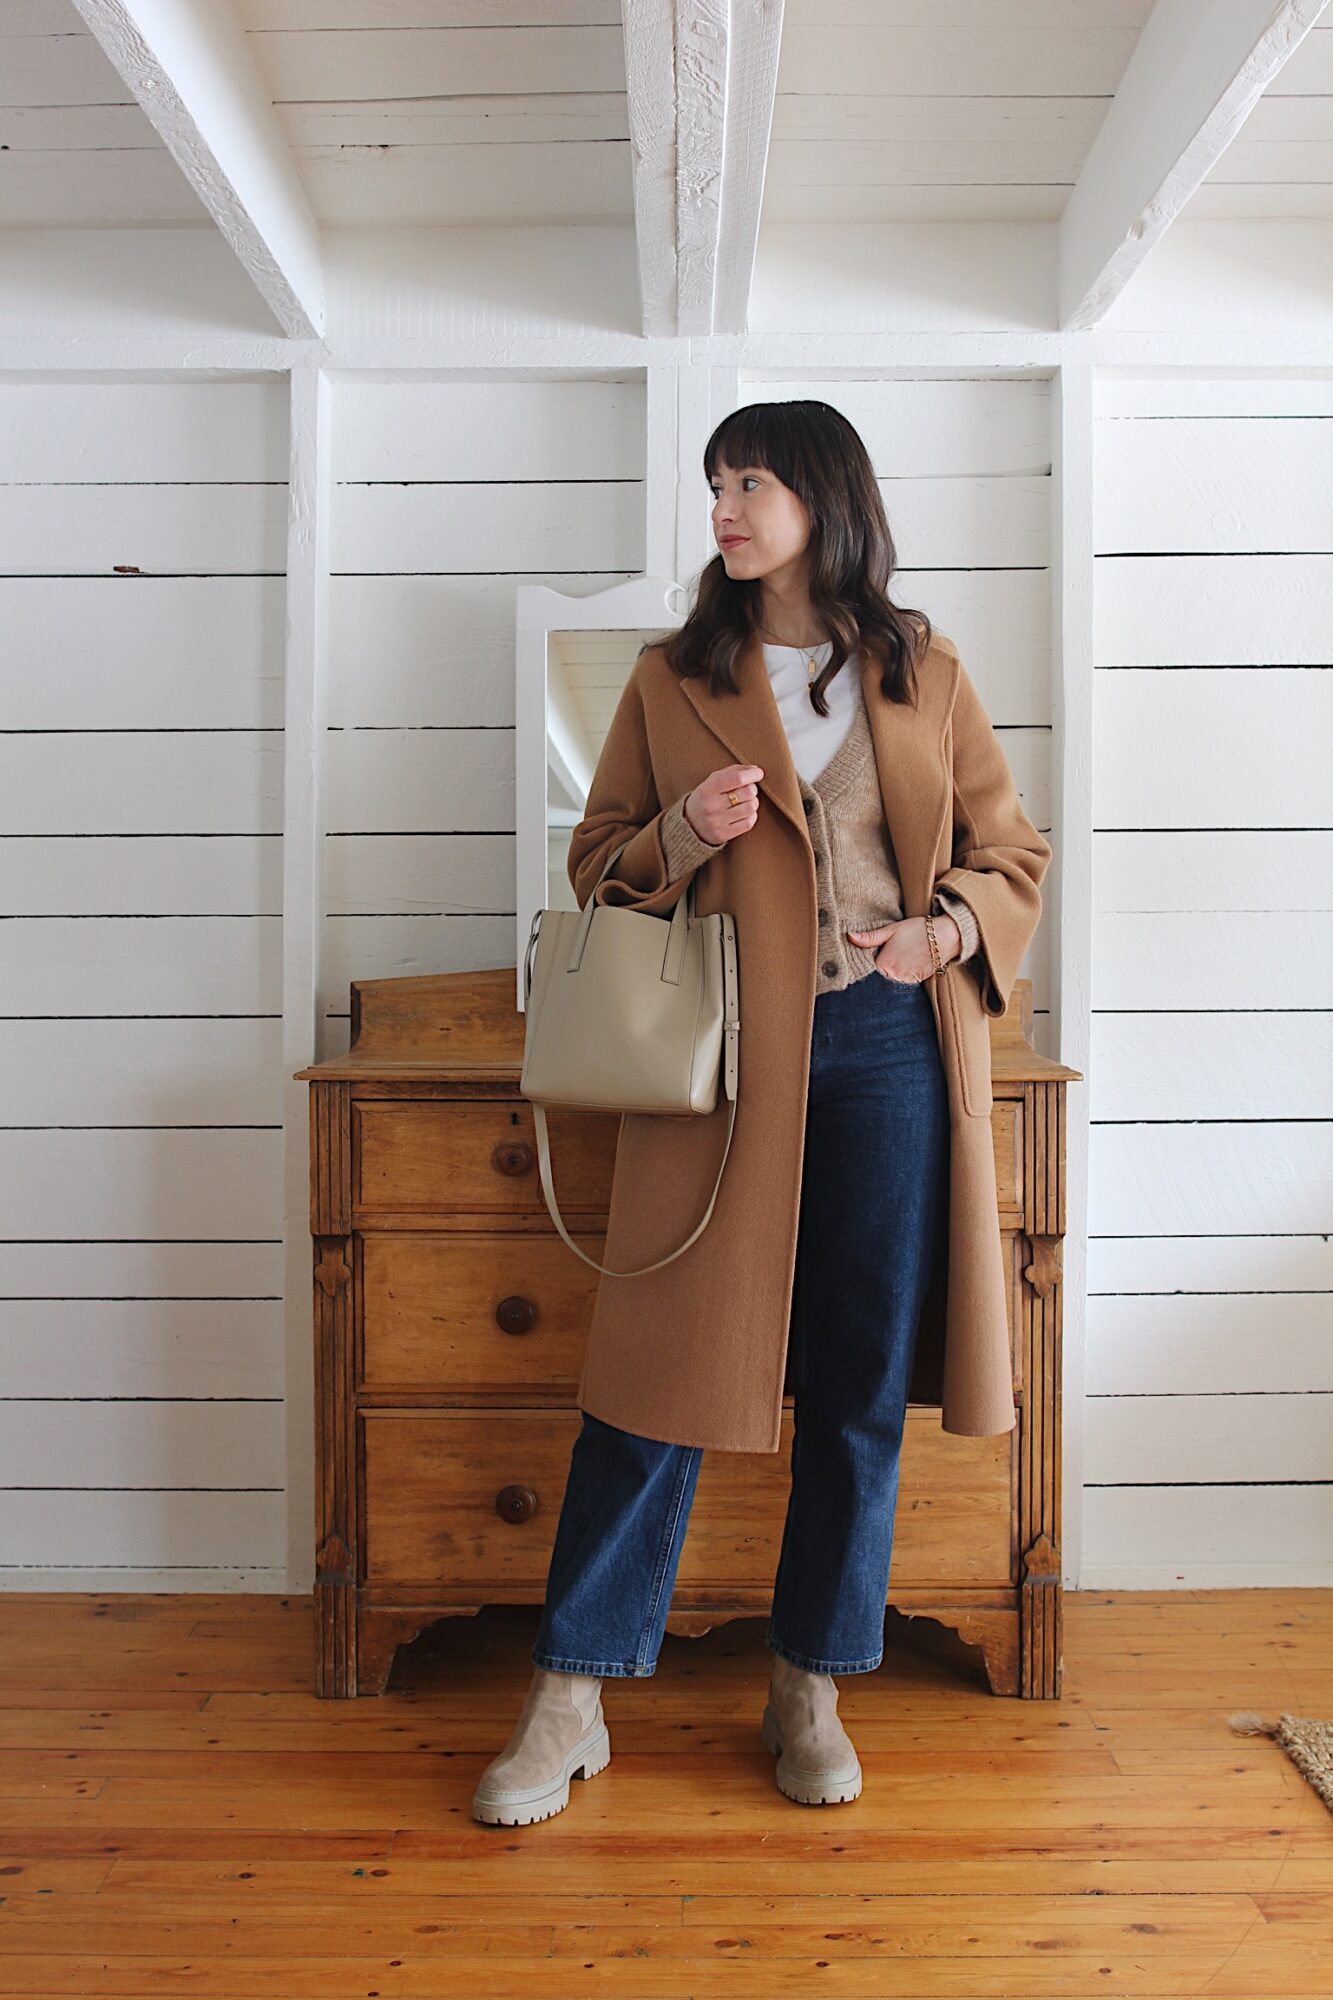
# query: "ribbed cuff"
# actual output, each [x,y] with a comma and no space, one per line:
[945,903]
[685,850]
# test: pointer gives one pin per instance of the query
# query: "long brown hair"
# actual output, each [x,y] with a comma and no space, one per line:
[813,449]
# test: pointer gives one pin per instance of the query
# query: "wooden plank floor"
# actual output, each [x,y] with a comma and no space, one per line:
[180,1815]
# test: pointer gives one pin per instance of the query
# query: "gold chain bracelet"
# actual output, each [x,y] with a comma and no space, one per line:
[934,947]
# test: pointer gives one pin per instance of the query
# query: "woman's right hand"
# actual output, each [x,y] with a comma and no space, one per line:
[709,808]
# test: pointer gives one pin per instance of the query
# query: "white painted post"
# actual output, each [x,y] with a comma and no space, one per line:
[303,919]
[1067,892]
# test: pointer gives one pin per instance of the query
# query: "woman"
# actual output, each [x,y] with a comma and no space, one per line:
[885,881]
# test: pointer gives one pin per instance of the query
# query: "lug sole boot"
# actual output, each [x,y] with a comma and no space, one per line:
[561,1733]
[817,1762]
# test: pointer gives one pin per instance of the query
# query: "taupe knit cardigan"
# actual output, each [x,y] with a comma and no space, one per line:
[854,861]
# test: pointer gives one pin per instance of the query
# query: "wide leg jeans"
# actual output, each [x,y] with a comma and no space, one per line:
[874,1203]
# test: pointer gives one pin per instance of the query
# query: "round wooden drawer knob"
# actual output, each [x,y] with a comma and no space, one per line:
[512,1156]
[516,1314]
[516,1503]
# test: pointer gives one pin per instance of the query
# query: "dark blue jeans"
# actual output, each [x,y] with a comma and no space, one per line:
[874,1197]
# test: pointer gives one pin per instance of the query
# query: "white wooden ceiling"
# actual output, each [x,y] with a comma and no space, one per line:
[397,111]
[429,113]
[969,110]
[79,151]
[945,111]
[444,111]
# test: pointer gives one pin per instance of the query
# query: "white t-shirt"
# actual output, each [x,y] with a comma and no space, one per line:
[813,737]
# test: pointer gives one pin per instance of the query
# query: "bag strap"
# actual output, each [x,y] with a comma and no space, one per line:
[544,1160]
[730,1080]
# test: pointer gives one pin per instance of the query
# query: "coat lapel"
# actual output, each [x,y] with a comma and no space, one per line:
[749,726]
[909,756]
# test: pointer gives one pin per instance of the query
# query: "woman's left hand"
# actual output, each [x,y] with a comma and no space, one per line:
[906,954]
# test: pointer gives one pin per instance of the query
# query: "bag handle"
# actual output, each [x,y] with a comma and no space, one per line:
[677,935]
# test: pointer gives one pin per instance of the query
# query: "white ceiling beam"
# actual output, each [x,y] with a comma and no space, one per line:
[189,67]
[703,34]
[650,97]
[751,87]
[1194,78]
[701,78]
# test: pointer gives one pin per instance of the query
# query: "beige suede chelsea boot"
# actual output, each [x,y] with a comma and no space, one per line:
[817,1764]
[561,1733]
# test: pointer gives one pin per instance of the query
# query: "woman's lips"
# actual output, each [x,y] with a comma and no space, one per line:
[733,541]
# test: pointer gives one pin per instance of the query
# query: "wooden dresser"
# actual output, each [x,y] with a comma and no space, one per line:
[449,1322]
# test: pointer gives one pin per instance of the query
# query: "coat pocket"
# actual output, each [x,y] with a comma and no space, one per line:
[971,1031]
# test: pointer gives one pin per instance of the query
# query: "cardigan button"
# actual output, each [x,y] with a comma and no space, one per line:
[823,916]
[809,804]
[830,966]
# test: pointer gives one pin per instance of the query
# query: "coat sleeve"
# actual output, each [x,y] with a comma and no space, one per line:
[664,851]
[999,858]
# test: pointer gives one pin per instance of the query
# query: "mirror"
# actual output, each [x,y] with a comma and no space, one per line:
[572,658]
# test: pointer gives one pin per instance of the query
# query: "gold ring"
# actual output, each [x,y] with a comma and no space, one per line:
[732,799]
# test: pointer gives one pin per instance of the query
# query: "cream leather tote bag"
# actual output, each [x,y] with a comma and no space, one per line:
[625,1011]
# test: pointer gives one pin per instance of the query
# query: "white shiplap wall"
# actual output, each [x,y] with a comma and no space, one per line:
[964,467]
[1209,1413]
[447,495]
[141,1323]
[141,1327]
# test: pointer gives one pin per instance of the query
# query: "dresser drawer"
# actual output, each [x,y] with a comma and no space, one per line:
[472,1499]
[480,1155]
[473,1310]
[447,1156]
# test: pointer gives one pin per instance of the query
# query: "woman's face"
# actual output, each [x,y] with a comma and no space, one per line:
[759,524]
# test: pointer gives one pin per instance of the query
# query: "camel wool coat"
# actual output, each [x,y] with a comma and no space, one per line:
[696,1353]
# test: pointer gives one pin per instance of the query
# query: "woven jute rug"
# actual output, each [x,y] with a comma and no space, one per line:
[1308,1743]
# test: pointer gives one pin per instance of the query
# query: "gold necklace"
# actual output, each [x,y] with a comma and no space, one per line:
[811,670]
